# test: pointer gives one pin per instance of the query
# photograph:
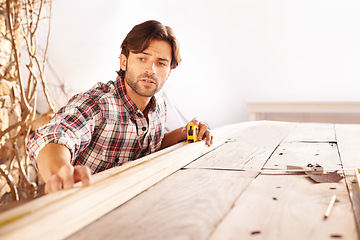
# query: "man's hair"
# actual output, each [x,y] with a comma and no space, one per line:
[140,37]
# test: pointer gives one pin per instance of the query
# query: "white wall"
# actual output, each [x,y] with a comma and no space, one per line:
[233,50]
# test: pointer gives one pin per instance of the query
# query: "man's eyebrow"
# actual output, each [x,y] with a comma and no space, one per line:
[164,59]
[160,58]
[146,53]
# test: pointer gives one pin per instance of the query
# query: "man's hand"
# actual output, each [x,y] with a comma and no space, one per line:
[203,133]
[66,177]
[56,170]
[180,134]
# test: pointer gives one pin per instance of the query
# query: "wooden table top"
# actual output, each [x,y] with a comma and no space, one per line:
[225,195]
[236,189]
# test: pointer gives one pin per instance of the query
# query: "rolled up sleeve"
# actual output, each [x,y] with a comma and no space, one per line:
[72,127]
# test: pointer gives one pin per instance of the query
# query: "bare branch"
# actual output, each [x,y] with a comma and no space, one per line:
[11,184]
[16,53]
[24,17]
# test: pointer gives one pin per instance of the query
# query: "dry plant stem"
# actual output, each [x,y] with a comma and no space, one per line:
[24,103]
[25,120]
[16,54]
[35,81]
[47,37]
[22,172]
[27,161]
[28,14]
[9,180]
[38,17]
[45,88]
[50,102]
[32,56]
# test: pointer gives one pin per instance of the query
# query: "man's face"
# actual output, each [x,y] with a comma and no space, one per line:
[146,72]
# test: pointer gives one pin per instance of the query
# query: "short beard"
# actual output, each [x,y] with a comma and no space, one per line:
[135,86]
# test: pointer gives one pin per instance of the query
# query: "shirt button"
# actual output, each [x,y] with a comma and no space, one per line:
[144,129]
[117,160]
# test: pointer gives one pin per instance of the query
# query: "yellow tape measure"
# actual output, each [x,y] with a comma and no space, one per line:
[192,131]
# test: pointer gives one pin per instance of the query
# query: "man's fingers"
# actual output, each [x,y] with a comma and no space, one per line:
[66,173]
[195,121]
[54,184]
[202,129]
[209,138]
[66,177]
[83,174]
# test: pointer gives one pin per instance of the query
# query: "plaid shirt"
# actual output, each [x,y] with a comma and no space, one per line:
[103,128]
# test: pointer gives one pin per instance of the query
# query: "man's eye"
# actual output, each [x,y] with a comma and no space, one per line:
[141,59]
[162,64]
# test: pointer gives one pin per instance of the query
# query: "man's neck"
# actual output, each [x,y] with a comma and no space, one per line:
[140,101]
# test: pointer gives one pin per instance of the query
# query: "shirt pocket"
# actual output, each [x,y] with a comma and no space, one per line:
[114,144]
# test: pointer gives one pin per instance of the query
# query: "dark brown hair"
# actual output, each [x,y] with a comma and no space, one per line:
[140,37]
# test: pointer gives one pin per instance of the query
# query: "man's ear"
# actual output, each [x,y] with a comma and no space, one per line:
[123,61]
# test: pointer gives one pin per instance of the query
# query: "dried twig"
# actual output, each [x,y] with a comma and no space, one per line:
[16,53]
[24,17]
[11,184]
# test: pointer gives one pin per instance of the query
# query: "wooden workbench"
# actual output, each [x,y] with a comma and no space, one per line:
[224,195]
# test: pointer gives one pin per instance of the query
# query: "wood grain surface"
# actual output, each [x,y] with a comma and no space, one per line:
[288,207]
[348,140]
[186,205]
[225,192]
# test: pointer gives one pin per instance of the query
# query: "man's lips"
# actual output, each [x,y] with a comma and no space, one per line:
[148,80]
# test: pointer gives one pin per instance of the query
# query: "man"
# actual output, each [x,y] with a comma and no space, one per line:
[115,122]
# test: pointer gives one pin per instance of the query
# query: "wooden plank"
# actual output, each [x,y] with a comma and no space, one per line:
[289,207]
[348,140]
[312,132]
[249,147]
[293,206]
[303,153]
[186,205]
[57,215]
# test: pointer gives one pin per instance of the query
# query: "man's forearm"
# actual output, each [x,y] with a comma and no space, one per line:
[173,137]
[51,158]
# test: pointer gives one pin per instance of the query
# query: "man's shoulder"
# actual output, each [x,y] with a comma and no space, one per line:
[97,93]
[101,89]
[100,96]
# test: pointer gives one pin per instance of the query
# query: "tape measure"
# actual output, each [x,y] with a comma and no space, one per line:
[192,132]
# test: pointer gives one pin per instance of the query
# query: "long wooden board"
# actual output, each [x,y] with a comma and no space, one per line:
[312,132]
[293,206]
[288,207]
[58,215]
[249,146]
[303,153]
[186,205]
[313,143]
[348,140]
[199,196]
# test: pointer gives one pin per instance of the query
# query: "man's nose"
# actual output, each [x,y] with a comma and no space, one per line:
[150,68]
